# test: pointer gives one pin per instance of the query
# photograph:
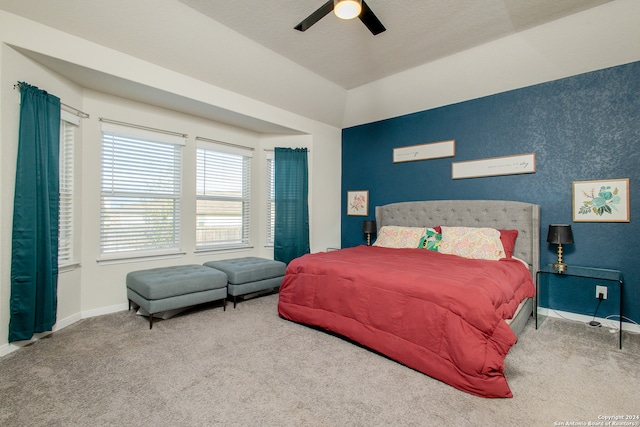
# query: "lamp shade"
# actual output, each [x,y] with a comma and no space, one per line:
[347,9]
[560,234]
[369,226]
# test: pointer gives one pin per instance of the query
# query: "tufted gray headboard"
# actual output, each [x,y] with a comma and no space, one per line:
[500,214]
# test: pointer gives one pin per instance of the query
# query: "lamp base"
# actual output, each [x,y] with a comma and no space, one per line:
[560,267]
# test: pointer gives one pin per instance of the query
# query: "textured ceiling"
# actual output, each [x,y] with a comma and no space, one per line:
[418,31]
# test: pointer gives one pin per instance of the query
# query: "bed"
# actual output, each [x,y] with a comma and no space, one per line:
[448,316]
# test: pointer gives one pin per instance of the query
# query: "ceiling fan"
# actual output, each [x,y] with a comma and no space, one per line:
[345,9]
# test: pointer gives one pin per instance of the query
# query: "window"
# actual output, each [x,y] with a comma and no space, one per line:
[223,195]
[271,199]
[68,125]
[140,192]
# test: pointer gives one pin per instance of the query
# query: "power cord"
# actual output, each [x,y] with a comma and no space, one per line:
[594,322]
[614,327]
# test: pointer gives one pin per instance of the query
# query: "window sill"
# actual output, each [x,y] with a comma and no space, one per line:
[230,248]
[68,267]
[139,258]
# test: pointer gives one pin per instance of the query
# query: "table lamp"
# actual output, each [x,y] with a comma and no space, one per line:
[369,228]
[560,234]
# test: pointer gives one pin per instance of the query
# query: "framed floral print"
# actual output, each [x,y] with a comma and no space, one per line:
[601,201]
[358,203]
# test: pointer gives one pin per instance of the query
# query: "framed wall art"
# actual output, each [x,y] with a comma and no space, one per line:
[358,203]
[494,166]
[432,150]
[601,201]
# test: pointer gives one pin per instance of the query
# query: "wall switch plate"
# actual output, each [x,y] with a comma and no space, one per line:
[601,290]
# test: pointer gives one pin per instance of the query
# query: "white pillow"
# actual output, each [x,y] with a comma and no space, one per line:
[472,242]
[393,236]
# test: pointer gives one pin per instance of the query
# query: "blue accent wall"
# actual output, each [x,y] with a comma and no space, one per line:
[584,127]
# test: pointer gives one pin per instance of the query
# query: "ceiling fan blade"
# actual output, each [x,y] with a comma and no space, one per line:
[315,16]
[369,19]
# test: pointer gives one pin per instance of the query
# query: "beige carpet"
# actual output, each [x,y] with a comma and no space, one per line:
[248,367]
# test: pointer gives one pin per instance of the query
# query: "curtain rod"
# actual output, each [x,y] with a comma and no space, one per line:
[77,112]
[167,132]
[74,110]
[201,138]
[272,150]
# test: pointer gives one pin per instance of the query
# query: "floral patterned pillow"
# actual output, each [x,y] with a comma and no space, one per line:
[472,242]
[431,240]
[393,236]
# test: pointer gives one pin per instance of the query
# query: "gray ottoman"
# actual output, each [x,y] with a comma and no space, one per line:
[167,288]
[250,274]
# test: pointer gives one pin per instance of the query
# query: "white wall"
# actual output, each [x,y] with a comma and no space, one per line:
[94,288]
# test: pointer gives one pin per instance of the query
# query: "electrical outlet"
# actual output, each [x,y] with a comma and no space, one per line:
[601,290]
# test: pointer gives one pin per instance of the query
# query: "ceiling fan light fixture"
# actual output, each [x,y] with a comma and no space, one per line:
[347,9]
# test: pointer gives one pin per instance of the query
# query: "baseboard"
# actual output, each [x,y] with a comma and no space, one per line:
[606,323]
[10,348]
[61,324]
[105,310]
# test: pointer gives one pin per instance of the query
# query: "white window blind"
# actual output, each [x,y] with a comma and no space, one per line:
[271,199]
[223,196]
[140,192]
[68,125]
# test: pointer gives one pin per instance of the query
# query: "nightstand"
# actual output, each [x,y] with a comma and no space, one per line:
[586,276]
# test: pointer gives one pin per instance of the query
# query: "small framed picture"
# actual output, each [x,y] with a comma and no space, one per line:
[358,203]
[601,201]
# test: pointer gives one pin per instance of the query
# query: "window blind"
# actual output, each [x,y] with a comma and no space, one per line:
[271,199]
[140,191]
[68,126]
[223,196]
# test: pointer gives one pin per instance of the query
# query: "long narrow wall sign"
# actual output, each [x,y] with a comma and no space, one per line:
[433,150]
[506,165]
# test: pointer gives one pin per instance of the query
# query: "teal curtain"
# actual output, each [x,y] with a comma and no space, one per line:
[34,257]
[291,233]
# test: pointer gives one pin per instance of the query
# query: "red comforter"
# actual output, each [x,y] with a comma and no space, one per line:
[439,314]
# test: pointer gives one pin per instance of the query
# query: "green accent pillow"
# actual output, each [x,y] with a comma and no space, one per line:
[431,240]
